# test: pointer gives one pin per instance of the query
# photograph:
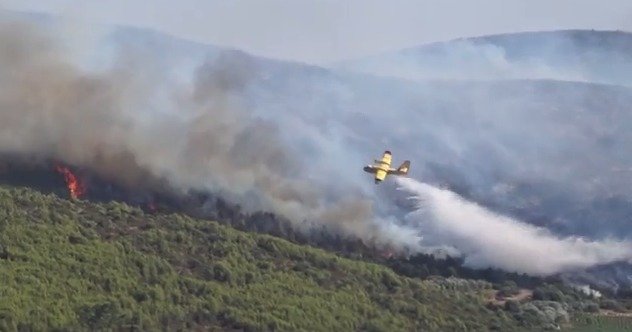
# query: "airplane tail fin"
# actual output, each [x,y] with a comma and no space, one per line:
[403,168]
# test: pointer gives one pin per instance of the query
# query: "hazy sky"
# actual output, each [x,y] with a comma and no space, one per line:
[318,31]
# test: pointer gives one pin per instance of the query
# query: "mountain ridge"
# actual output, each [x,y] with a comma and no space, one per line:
[586,55]
[497,37]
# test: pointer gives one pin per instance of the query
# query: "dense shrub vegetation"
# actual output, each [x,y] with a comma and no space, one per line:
[80,265]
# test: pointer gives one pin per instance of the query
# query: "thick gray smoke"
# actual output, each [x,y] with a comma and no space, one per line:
[293,139]
[134,121]
[486,238]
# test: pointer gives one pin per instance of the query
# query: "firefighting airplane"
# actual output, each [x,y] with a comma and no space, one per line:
[382,168]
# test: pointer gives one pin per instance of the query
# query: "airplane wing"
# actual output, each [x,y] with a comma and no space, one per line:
[370,169]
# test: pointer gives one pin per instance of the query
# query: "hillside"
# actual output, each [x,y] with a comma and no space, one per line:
[69,265]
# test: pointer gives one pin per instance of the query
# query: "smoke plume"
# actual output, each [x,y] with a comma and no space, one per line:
[135,123]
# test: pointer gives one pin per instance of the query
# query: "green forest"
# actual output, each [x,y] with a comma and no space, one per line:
[77,265]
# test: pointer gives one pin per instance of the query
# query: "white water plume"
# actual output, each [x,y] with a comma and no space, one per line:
[487,239]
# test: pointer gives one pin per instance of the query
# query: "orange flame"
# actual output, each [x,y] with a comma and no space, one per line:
[75,186]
